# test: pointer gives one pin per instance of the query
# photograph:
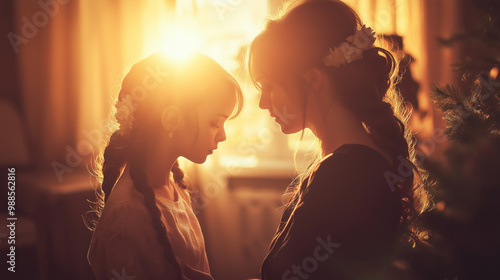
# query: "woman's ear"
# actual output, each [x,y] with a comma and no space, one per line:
[315,78]
[171,118]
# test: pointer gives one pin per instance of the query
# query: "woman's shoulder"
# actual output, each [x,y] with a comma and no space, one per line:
[351,166]
[355,154]
[350,159]
[349,186]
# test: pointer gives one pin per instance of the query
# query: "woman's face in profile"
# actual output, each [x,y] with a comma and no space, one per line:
[283,103]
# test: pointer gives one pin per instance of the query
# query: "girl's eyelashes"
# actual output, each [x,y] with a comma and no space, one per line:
[217,123]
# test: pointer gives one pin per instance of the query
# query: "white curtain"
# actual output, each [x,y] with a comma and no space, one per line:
[71,60]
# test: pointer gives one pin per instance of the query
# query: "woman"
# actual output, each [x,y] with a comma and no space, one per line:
[318,68]
[166,109]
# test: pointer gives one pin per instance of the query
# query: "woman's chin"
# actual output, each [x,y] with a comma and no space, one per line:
[286,129]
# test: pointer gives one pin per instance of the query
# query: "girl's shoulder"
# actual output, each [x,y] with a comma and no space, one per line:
[124,212]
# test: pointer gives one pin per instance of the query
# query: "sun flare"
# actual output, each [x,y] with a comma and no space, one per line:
[180,42]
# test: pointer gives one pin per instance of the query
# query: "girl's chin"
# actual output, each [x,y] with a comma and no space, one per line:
[199,159]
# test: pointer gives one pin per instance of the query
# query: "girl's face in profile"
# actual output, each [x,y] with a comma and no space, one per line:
[207,129]
[283,102]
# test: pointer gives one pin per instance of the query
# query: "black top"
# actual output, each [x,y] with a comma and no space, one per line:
[343,225]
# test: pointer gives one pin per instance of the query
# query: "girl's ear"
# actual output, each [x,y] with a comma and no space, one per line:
[171,118]
[315,78]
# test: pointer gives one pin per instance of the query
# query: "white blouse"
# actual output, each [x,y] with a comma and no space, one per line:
[125,243]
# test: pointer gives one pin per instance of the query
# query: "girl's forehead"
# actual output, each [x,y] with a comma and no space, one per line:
[220,104]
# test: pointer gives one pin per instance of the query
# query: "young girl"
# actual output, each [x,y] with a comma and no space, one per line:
[165,109]
[318,68]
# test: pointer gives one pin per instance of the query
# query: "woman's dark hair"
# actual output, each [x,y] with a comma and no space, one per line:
[298,39]
[154,84]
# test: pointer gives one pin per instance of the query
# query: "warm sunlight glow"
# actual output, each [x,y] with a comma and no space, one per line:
[180,42]
[494,73]
[240,161]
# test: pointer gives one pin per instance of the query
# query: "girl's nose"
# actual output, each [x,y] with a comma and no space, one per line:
[221,136]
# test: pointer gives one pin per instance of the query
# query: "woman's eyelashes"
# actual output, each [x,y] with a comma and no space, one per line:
[266,88]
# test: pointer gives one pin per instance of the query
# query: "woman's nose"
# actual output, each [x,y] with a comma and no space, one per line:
[264,101]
